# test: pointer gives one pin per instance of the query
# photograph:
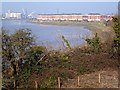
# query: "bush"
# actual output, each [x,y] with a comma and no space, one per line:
[66,41]
[81,69]
[94,43]
[116,41]
[34,54]
[48,83]
[63,57]
[20,54]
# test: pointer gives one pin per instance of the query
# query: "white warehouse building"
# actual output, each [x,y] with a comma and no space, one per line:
[12,15]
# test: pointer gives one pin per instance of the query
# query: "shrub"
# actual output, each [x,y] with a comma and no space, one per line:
[48,83]
[63,57]
[34,54]
[94,43]
[66,41]
[81,69]
[116,41]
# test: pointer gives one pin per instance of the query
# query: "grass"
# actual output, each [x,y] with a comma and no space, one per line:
[79,23]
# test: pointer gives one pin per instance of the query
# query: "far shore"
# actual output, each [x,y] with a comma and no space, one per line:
[104,32]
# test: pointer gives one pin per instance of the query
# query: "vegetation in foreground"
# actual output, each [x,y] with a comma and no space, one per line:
[25,63]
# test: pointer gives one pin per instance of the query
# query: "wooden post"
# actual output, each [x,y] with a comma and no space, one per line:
[14,84]
[36,85]
[58,82]
[99,78]
[78,81]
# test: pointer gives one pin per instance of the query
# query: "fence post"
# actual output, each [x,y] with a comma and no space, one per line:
[36,85]
[14,84]
[99,78]
[58,82]
[78,81]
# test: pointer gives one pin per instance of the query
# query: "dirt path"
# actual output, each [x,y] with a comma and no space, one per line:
[108,79]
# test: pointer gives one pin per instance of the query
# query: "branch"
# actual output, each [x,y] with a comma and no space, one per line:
[40,59]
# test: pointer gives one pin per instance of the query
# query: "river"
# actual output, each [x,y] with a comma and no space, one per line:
[50,35]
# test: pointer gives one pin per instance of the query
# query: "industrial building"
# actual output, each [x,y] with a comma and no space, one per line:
[13,15]
[78,17]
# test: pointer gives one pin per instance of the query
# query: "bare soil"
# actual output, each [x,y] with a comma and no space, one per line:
[108,79]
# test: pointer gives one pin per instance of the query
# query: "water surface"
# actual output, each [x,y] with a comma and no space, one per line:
[50,35]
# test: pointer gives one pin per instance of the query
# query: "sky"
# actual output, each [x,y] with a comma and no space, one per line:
[61,7]
[60,0]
